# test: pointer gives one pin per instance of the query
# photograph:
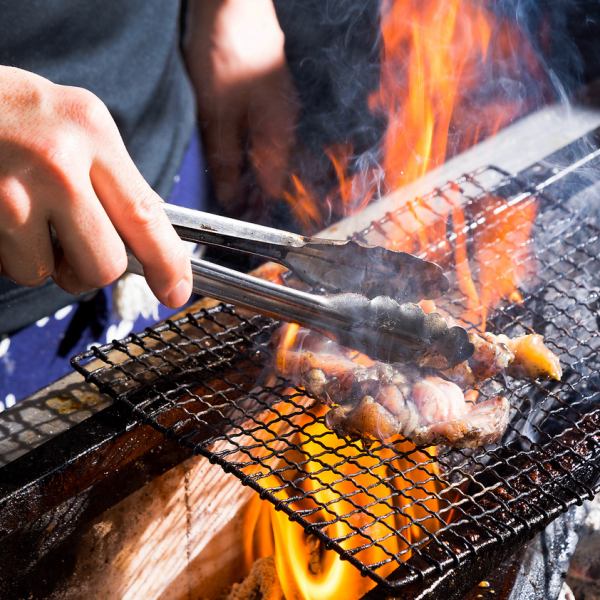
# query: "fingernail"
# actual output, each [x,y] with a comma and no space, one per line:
[180,294]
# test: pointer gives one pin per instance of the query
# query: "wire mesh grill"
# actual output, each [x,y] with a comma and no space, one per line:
[400,514]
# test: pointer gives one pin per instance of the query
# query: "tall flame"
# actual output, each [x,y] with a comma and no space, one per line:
[436,57]
[436,46]
[305,569]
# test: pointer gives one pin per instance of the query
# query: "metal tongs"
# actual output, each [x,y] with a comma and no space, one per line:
[370,291]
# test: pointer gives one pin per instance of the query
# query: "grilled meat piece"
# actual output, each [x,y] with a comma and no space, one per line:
[491,355]
[380,401]
[533,359]
[523,357]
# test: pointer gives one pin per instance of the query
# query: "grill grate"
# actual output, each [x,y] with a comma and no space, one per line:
[402,515]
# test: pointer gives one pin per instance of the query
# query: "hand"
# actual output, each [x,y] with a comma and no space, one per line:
[63,164]
[235,55]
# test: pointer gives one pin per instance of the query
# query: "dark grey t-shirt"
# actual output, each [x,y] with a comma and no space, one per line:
[127,53]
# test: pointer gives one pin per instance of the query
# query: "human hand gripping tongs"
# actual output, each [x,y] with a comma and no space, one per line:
[369,292]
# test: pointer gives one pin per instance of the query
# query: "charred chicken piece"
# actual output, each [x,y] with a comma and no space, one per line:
[381,401]
[426,406]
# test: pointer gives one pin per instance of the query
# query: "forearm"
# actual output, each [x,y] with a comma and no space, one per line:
[235,27]
[235,55]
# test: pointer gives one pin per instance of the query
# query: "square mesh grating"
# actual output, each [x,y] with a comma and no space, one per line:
[401,515]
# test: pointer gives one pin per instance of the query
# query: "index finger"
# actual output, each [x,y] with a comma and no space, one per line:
[136,211]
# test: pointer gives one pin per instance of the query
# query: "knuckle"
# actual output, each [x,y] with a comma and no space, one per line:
[34,94]
[86,108]
[145,211]
[67,139]
[60,155]
[55,149]
[29,91]
[15,208]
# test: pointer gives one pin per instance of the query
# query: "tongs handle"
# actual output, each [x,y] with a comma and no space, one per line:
[334,265]
[247,291]
[216,230]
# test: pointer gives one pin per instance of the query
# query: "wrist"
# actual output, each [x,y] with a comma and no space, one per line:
[245,24]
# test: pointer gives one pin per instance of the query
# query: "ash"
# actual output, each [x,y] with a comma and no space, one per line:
[584,571]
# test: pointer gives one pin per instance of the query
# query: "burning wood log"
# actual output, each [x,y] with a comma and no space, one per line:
[261,583]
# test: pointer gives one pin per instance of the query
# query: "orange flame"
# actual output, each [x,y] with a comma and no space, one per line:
[432,64]
[437,41]
[382,532]
[352,194]
[304,568]
[502,252]
[287,341]
[434,58]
